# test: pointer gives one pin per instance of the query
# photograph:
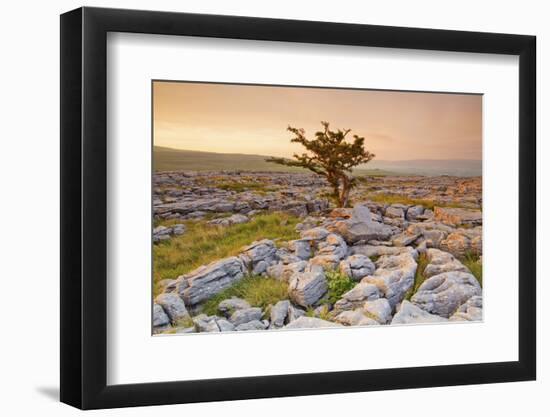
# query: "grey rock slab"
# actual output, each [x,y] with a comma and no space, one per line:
[357,266]
[173,306]
[355,318]
[160,318]
[245,315]
[257,256]
[379,310]
[279,313]
[311,323]
[442,294]
[471,310]
[408,313]
[394,276]
[251,325]
[306,288]
[230,305]
[440,262]
[208,280]
[357,296]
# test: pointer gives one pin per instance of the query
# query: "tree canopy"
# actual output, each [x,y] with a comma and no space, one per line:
[330,155]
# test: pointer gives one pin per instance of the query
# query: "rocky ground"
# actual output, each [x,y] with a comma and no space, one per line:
[405,253]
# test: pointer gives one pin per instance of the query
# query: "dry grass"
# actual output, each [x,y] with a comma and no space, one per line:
[202,243]
[259,291]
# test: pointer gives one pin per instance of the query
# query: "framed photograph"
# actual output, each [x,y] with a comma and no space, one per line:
[258,208]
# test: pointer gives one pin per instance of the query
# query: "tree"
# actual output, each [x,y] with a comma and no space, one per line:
[330,156]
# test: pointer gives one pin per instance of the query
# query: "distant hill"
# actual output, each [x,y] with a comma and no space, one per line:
[168,159]
[430,167]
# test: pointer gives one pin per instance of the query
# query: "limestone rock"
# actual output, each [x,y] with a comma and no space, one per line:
[279,313]
[230,305]
[394,276]
[408,313]
[442,294]
[357,267]
[245,315]
[310,323]
[440,262]
[361,227]
[357,296]
[379,310]
[258,256]
[285,272]
[355,318]
[457,216]
[160,318]
[471,310]
[173,306]
[306,288]
[208,280]
[251,325]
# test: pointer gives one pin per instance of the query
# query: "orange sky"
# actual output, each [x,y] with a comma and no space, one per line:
[253,119]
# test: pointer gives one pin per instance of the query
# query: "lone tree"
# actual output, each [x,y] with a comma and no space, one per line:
[331,156]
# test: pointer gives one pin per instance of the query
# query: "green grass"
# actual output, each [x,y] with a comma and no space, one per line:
[419,276]
[471,261]
[257,290]
[324,313]
[338,285]
[202,243]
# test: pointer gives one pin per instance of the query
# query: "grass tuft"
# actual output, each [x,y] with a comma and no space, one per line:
[419,276]
[338,285]
[202,243]
[475,266]
[259,291]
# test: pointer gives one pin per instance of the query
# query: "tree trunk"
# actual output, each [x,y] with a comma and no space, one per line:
[344,194]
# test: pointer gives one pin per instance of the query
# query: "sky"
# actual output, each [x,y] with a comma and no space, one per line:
[230,118]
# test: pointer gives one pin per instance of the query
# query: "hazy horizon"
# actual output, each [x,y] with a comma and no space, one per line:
[252,120]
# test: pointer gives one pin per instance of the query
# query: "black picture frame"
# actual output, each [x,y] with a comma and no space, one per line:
[84,207]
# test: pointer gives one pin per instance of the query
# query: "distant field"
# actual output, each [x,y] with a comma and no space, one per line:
[167,159]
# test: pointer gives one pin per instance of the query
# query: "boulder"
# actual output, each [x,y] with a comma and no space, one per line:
[394,276]
[405,239]
[245,315]
[294,313]
[258,256]
[381,250]
[228,221]
[301,248]
[379,310]
[414,212]
[208,280]
[408,313]
[442,294]
[251,325]
[357,296]
[458,216]
[357,267]
[305,322]
[440,262]
[395,211]
[361,227]
[315,234]
[160,318]
[355,318]
[471,310]
[173,306]
[285,272]
[279,313]
[230,305]
[306,288]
